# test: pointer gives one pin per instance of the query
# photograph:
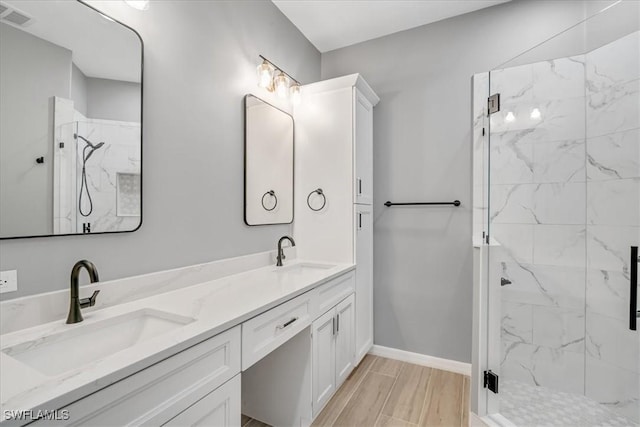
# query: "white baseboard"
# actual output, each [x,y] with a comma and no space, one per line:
[476,421]
[422,359]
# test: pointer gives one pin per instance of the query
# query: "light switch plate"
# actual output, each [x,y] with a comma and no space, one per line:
[8,281]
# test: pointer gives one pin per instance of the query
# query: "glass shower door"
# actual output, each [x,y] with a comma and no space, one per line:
[564,211]
[612,359]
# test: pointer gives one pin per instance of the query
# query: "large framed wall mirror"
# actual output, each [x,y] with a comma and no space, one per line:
[268,181]
[70,121]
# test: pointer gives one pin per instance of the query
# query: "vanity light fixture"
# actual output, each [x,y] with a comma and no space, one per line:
[138,4]
[275,79]
[282,85]
[265,75]
[294,92]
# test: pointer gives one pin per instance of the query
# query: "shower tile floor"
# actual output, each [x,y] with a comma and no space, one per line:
[526,405]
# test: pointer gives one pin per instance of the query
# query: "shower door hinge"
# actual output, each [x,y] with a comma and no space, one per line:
[491,381]
[86,227]
[493,103]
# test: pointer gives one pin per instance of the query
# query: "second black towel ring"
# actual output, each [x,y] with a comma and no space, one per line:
[320,193]
[272,194]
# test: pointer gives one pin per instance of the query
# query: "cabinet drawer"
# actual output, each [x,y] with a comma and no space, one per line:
[220,408]
[331,293]
[267,331]
[156,394]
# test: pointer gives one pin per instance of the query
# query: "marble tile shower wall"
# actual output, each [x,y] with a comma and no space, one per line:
[120,154]
[565,205]
[612,222]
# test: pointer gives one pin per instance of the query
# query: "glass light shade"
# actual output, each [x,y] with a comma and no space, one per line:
[510,117]
[294,92]
[138,4]
[535,114]
[281,85]
[265,75]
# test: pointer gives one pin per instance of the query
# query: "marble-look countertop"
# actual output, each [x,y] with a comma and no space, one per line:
[215,306]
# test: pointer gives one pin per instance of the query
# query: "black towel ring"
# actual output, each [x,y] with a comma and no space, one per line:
[320,193]
[272,194]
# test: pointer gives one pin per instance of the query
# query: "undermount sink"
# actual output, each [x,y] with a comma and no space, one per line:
[304,267]
[63,351]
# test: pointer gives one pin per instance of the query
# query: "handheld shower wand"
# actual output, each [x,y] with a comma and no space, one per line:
[84,186]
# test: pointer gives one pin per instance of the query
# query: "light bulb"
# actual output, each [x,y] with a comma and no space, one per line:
[281,85]
[296,96]
[510,117]
[138,4]
[265,76]
[535,114]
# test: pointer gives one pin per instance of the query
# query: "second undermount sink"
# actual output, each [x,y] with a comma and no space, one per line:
[304,267]
[83,344]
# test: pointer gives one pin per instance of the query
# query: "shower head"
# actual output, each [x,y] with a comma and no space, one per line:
[92,149]
[89,143]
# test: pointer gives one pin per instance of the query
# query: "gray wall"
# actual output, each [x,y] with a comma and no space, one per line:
[422,151]
[32,71]
[200,60]
[105,99]
[113,100]
[78,89]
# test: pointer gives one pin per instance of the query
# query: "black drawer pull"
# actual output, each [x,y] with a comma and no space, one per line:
[287,323]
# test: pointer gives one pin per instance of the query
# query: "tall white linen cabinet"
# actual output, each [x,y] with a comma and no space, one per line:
[334,154]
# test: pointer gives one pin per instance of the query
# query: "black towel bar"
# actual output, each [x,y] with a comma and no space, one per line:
[454,203]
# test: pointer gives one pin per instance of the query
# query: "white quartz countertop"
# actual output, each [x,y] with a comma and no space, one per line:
[214,306]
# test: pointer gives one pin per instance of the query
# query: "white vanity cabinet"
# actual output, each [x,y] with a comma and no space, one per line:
[221,407]
[334,152]
[363,148]
[199,383]
[363,224]
[333,351]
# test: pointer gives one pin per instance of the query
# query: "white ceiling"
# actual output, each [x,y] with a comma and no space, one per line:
[332,24]
[101,48]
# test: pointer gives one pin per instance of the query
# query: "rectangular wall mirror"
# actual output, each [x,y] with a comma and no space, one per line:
[268,163]
[70,121]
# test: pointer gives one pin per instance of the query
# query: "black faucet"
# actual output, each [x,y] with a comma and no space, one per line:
[75,303]
[280,251]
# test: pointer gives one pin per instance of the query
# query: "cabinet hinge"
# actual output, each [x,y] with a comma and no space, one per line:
[493,103]
[491,381]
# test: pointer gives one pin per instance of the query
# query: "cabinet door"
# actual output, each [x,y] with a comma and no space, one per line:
[220,408]
[364,280]
[345,339]
[324,362]
[363,146]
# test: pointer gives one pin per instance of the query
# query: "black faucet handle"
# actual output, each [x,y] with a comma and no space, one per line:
[91,301]
[92,298]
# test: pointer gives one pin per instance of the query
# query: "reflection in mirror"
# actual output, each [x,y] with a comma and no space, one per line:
[268,191]
[70,121]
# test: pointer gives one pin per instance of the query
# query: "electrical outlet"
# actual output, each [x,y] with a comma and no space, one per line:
[8,281]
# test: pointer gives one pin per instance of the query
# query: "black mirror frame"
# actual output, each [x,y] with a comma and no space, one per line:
[141,142]
[293,175]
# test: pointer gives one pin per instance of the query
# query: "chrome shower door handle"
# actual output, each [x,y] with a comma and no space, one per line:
[633,290]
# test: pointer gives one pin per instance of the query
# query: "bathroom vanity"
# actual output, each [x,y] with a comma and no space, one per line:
[179,357]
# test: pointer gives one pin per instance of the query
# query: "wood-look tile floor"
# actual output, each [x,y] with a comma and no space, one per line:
[389,393]
[386,392]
